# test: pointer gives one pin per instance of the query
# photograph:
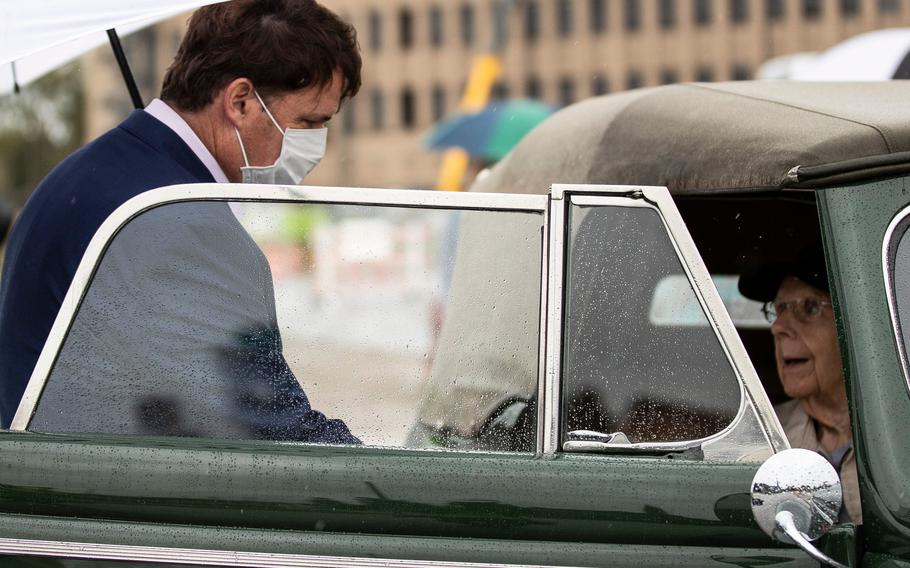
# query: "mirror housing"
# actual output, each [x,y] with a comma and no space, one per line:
[796,499]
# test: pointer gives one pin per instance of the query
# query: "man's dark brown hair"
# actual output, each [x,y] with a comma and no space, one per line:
[280,45]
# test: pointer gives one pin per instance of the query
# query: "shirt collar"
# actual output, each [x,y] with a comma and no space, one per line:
[164,113]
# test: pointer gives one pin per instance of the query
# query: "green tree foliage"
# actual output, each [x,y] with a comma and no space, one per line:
[39,126]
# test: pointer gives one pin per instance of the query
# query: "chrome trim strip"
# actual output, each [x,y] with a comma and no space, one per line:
[889,250]
[211,557]
[550,396]
[749,383]
[542,336]
[236,192]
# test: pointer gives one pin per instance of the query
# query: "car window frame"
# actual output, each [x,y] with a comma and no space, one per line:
[697,273]
[895,233]
[215,192]
[552,207]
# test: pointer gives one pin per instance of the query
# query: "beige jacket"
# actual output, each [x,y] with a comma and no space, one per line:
[800,430]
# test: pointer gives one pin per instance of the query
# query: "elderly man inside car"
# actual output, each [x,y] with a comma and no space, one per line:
[797,303]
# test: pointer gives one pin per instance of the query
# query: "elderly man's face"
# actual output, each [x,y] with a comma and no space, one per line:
[807,353]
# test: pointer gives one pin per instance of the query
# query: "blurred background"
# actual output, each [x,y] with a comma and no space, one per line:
[419,55]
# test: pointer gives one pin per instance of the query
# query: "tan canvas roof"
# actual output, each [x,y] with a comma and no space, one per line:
[708,137]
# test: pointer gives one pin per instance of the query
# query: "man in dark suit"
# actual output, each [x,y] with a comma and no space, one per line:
[246,100]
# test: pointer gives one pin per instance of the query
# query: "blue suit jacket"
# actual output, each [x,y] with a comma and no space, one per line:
[51,234]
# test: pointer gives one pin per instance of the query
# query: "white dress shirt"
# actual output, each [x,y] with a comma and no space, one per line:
[160,110]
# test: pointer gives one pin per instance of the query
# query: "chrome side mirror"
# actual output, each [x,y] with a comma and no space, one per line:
[796,498]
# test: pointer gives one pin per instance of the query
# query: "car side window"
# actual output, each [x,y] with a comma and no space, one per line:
[643,367]
[303,322]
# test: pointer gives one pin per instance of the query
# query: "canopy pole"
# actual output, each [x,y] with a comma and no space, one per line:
[125,68]
[15,78]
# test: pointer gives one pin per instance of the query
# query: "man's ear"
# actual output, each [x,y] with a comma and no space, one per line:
[236,101]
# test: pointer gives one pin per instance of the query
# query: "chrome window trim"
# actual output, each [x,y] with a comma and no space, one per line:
[204,557]
[238,192]
[543,410]
[720,321]
[550,396]
[889,250]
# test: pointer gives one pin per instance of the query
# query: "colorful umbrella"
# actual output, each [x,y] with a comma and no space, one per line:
[490,133]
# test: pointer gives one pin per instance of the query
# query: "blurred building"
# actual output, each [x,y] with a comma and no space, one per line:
[418,54]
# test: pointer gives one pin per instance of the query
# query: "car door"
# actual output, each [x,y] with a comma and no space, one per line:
[865,230]
[518,391]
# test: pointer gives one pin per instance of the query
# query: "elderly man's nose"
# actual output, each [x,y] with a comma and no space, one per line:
[783,323]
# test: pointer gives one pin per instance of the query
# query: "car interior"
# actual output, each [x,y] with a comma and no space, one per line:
[736,233]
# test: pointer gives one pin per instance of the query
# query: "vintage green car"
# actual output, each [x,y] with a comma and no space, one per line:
[554,369]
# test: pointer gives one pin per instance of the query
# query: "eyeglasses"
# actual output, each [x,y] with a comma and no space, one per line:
[804,310]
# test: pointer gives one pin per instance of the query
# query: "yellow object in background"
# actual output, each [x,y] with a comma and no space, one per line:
[484,72]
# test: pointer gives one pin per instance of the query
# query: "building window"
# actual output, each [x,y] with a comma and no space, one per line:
[467,24]
[533,88]
[774,9]
[667,14]
[702,12]
[500,14]
[436,26]
[375,26]
[564,17]
[532,20]
[599,85]
[668,77]
[348,117]
[405,28]
[739,11]
[632,14]
[849,8]
[438,103]
[408,108]
[740,73]
[500,91]
[812,9]
[377,110]
[566,91]
[888,5]
[634,80]
[597,13]
[704,75]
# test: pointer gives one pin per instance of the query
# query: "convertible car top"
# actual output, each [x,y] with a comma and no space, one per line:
[718,137]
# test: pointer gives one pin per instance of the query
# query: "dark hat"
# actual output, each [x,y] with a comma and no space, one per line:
[762,282]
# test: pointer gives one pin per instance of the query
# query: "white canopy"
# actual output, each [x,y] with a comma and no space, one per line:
[37,36]
[872,56]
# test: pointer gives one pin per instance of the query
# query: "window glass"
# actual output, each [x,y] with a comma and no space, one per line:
[531,21]
[812,9]
[632,13]
[566,91]
[348,324]
[774,9]
[408,108]
[900,282]
[564,18]
[438,102]
[702,9]
[739,11]
[436,26]
[466,17]
[667,14]
[597,10]
[633,362]
[375,27]
[377,110]
[600,85]
[405,28]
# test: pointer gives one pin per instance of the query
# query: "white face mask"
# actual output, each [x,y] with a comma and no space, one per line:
[301,150]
